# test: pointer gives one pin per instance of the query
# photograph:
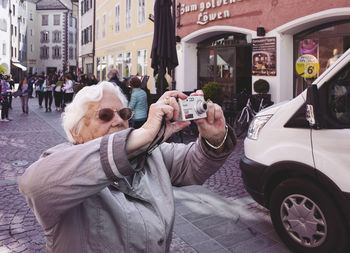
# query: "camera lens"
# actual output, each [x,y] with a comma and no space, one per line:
[201,107]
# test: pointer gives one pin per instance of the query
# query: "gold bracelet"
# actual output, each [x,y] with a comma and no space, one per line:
[222,143]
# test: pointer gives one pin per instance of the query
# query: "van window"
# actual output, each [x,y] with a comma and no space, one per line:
[339,96]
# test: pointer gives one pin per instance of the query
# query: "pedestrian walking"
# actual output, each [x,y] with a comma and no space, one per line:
[39,84]
[23,89]
[67,89]
[102,191]
[4,88]
[31,81]
[58,94]
[10,90]
[138,102]
[48,92]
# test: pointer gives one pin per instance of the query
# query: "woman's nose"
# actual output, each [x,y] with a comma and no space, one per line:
[117,119]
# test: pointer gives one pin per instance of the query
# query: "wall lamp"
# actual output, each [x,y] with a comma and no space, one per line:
[260,31]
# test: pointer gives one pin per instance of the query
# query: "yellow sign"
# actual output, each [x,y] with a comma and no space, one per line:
[307,66]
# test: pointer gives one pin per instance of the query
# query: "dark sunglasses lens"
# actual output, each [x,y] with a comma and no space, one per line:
[106,114]
[125,113]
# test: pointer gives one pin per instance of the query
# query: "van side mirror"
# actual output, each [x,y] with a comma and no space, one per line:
[312,106]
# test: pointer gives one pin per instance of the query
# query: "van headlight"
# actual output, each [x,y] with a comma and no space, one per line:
[256,125]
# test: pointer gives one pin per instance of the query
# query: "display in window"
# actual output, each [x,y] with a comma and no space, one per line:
[307,66]
[264,57]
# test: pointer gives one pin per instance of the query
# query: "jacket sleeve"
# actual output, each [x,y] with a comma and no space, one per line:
[195,162]
[63,179]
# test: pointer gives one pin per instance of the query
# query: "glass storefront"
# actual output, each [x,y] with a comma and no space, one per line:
[317,49]
[225,59]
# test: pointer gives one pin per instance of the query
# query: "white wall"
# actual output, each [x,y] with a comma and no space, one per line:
[5,36]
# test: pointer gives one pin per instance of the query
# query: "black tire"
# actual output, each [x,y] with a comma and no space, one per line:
[240,125]
[329,237]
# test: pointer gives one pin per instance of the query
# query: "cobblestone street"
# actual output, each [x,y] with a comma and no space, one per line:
[23,139]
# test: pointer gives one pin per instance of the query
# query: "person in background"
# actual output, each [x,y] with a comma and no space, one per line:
[138,102]
[4,89]
[48,92]
[24,88]
[110,189]
[39,89]
[114,77]
[93,80]
[31,81]
[67,89]
[58,94]
[11,88]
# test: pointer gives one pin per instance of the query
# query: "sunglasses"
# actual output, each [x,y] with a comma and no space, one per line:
[107,114]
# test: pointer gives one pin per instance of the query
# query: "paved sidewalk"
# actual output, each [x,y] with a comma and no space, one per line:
[216,217]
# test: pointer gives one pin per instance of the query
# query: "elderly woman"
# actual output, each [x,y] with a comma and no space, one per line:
[101,192]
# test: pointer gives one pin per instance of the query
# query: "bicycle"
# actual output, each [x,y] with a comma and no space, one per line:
[245,116]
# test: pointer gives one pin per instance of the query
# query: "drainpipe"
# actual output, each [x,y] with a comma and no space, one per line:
[93,39]
[10,46]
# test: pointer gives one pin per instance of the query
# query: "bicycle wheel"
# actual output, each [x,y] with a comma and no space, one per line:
[240,124]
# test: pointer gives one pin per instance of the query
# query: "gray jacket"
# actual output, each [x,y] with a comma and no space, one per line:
[71,192]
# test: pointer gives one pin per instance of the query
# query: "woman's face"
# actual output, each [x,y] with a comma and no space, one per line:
[93,127]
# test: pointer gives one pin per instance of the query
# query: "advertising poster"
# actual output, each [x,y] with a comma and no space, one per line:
[264,57]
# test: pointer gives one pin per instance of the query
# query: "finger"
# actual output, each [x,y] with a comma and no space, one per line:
[168,111]
[175,105]
[197,93]
[173,93]
[219,114]
[210,112]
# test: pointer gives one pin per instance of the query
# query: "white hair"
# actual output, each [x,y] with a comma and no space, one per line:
[76,110]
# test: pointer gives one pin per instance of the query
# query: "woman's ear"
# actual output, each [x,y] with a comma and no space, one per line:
[75,134]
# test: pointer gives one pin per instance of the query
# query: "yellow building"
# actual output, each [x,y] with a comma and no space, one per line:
[124,37]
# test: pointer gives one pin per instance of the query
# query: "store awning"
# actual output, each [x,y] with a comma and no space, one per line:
[18,65]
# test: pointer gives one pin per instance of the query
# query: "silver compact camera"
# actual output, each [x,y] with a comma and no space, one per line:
[193,107]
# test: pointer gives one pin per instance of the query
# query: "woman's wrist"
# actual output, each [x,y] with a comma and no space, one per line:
[217,143]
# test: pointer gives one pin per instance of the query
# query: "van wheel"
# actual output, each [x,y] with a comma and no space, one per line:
[306,218]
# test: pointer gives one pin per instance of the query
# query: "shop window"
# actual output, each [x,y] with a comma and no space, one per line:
[323,45]
[110,62]
[142,62]
[119,63]
[126,64]
[225,59]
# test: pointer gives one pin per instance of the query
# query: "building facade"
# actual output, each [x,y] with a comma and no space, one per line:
[86,35]
[18,31]
[124,37]
[5,44]
[32,47]
[56,36]
[236,42]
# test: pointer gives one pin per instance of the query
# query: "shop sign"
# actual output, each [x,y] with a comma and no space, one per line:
[307,66]
[206,14]
[264,56]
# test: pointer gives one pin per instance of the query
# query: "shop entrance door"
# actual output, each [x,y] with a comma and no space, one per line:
[228,65]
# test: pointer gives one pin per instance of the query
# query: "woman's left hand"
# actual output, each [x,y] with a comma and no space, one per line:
[212,128]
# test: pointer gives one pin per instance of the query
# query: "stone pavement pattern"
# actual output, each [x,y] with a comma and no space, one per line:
[219,217]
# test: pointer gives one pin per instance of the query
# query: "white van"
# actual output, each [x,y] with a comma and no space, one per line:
[297,163]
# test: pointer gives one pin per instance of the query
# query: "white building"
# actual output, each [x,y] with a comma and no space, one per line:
[86,35]
[5,35]
[56,36]
[18,19]
[32,47]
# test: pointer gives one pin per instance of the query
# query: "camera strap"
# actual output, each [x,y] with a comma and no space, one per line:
[159,137]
